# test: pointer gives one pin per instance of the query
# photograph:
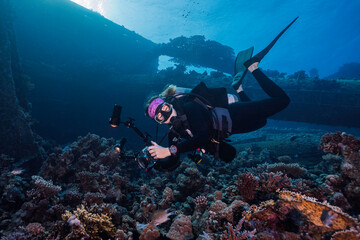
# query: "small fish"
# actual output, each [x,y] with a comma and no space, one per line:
[327,218]
[160,216]
[17,171]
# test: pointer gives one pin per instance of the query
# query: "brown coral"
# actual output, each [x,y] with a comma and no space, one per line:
[292,170]
[150,233]
[315,211]
[218,195]
[351,234]
[167,198]
[270,182]
[94,224]
[338,142]
[181,228]
[236,234]
[43,189]
[35,229]
[247,184]
[219,210]
[201,202]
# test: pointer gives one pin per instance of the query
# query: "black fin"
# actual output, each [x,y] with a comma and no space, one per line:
[258,57]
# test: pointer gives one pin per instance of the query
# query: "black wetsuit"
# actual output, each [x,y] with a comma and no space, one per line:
[246,116]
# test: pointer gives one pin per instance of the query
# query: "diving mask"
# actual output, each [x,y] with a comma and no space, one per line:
[163,112]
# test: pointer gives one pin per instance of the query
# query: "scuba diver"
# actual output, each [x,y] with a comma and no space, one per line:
[202,118]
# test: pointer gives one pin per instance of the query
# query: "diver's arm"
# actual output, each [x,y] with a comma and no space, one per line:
[158,152]
[172,162]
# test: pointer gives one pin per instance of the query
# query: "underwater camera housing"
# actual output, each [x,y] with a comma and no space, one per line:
[143,157]
[145,160]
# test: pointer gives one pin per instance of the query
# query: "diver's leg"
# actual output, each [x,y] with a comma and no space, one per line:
[226,151]
[243,96]
[269,87]
[180,90]
[232,98]
[249,116]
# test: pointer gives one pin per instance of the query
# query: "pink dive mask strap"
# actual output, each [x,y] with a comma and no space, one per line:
[153,105]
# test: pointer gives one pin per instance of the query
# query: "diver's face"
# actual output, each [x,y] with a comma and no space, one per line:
[173,114]
[164,113]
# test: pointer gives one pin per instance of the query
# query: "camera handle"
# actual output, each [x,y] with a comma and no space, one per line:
[130,124]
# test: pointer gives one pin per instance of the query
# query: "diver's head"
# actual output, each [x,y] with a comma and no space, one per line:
[160,111]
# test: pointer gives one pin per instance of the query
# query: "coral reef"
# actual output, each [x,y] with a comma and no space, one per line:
[247,185]
[347,182]
[181,228]
[85,190]
[236,234]
[96,225]
[318,213]
[201,202]
[150,233]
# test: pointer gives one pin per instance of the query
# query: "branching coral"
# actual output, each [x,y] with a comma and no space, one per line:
[96,225]
[271,182]
[201,202]
[43,189]
[247,185]
[236,234]
[348,147]
[339,143]
[260,212]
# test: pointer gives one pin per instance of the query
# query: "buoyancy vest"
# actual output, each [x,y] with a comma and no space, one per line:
[215,101]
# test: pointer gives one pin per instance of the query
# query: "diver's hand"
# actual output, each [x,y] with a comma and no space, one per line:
[158,152]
